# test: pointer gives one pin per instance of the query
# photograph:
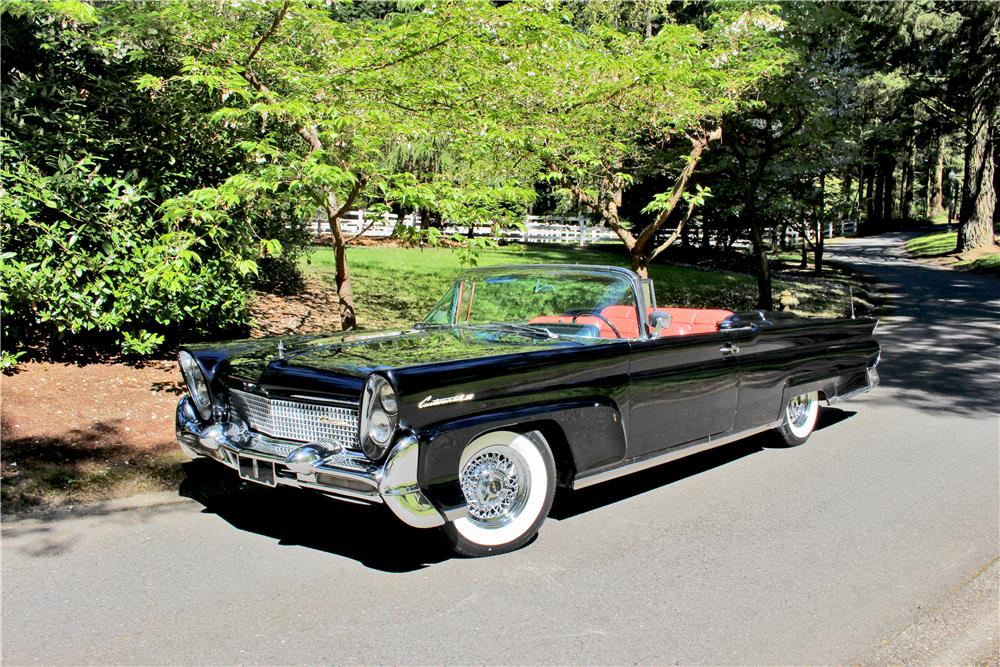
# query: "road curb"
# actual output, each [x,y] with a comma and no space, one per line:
[129,503]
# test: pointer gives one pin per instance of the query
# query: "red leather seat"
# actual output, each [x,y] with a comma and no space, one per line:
[694,320]
[685,321]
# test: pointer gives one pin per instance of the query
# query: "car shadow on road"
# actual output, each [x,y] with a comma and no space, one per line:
[570,503]
[370,535]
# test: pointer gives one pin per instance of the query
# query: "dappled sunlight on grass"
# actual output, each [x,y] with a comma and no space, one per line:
[942,244]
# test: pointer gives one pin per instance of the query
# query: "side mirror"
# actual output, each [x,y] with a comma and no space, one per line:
[659,319]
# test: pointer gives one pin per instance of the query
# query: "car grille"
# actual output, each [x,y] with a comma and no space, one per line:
[297,420]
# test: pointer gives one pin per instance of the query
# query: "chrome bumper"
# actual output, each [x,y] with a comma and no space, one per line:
[340,474]
[870,381]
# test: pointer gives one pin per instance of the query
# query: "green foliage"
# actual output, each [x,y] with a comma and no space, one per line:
[82,257]
[9,361]
[96,250]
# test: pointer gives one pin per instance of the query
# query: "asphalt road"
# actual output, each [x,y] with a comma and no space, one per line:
[875,542]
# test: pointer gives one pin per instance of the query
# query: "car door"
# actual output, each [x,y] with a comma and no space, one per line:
[683,388]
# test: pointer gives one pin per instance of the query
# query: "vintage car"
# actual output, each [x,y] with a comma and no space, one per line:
[521,379]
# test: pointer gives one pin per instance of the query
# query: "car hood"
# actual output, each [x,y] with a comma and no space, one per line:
[358,354]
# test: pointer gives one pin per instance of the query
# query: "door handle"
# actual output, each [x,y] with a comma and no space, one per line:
[729,349]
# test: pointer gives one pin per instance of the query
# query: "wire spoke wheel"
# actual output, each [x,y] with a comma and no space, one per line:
[508,481]
[801,413]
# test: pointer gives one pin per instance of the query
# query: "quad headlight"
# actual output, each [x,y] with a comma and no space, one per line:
[379,417]
[196,383]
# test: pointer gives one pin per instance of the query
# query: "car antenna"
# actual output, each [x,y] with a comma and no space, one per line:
[850,296]
[281,348]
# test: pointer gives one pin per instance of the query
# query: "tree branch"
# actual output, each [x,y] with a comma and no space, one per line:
[595,206]
[675,234]
[268,34]
[698,146]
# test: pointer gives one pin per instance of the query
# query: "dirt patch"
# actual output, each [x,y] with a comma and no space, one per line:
[313,310]
[82,433]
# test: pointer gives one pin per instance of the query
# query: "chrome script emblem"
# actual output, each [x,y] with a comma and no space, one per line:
[430,401]
[333,421]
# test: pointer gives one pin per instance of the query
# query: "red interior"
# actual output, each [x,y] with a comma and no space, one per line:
[685,321]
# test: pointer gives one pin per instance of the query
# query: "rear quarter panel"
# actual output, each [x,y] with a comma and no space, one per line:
[800,353]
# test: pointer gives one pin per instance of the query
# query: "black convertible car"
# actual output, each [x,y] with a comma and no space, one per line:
[520,379]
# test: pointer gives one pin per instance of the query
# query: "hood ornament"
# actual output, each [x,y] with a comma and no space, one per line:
[281,348]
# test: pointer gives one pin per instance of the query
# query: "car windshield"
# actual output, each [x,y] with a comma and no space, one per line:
[557,301]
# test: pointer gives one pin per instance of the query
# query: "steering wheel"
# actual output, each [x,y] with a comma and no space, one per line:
[577,312]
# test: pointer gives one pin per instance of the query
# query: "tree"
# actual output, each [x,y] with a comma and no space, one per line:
[946,55]
[600,109]
[333,100]
[87,160]
[980,39]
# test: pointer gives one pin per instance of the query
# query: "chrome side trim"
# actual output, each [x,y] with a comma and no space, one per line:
[657,458]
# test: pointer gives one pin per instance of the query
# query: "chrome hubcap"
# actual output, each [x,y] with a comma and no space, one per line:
[798,411]
[496,485]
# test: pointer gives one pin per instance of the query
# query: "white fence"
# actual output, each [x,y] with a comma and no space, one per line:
[830,230]
[577,230]
[538,229]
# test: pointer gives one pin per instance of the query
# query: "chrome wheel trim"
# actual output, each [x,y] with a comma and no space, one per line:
[801,413]
[521,507]
[496,484]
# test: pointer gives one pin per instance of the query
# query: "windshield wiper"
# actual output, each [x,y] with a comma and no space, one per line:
[531,330]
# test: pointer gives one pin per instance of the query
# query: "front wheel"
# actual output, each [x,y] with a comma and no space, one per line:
[800,417]
[508,480]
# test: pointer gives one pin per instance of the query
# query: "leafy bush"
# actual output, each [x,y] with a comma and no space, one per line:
[82,259]
[99,245]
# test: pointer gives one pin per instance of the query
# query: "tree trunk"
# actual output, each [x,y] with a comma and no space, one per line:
[848,196]
[640,265]
[820,224]
[804,260]
[888,187]
[906,189]
[975,228]
[345,291]
[867,204]
[875,205]
[935,180]
[764,301]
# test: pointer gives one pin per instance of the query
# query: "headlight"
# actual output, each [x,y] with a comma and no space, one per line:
[379,417]
[197,385]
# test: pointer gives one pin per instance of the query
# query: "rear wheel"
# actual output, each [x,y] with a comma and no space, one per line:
[508,480]
[800,417]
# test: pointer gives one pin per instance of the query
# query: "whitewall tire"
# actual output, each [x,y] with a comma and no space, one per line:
[799,418]
[508,480]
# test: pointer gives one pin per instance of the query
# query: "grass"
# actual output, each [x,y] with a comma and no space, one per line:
[941,244]
[394,286]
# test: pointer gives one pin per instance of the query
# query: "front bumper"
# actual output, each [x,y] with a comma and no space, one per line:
[337,473]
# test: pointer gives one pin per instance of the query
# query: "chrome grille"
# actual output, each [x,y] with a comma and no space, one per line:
[296,420]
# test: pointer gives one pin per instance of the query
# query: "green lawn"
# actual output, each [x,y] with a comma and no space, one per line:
[395,286]
[942,243]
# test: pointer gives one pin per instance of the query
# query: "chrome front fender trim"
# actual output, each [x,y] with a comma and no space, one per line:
[334,472]
[399,488]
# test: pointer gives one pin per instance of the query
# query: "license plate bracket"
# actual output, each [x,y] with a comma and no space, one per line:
[257,470]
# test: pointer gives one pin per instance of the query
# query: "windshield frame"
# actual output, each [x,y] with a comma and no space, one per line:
[638,294]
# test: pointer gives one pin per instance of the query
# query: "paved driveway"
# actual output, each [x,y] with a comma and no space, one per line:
[874,542]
